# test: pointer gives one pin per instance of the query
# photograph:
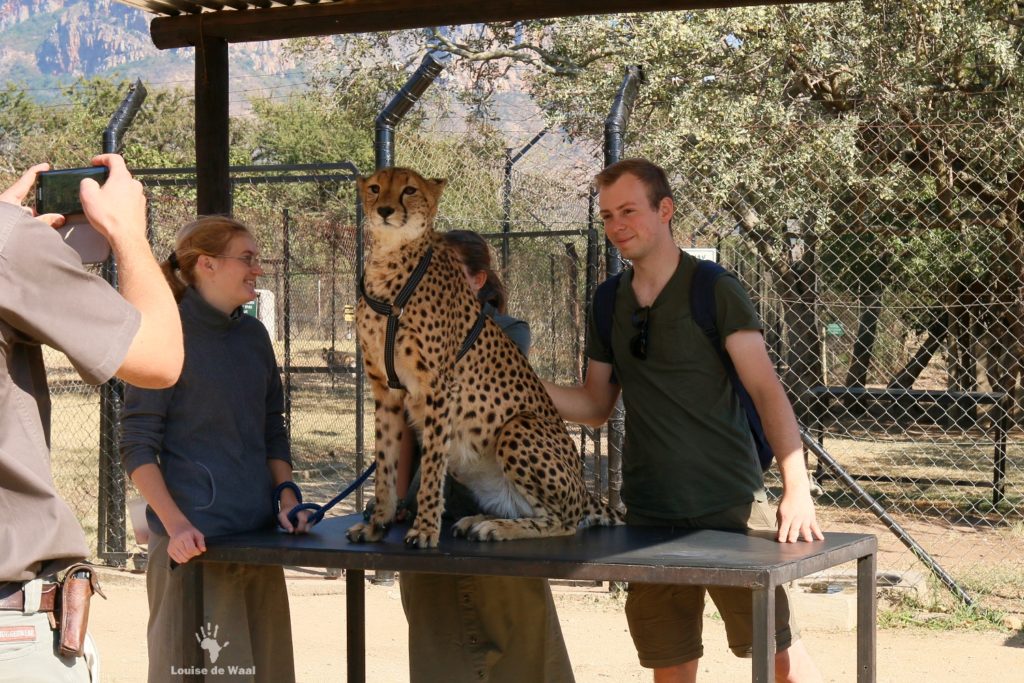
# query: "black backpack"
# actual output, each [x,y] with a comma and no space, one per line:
[702,307]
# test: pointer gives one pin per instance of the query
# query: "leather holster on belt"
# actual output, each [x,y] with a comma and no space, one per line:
[76,590]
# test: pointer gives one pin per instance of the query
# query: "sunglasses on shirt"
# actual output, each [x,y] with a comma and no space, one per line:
[638,344]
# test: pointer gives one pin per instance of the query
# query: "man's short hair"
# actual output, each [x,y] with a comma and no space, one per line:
[650,174]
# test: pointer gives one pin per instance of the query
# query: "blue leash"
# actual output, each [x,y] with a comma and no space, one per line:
[320,510]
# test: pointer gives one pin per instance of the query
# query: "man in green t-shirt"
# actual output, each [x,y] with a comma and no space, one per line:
[689,456]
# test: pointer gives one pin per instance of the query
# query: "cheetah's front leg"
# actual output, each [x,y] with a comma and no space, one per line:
[389,417]
[436,440]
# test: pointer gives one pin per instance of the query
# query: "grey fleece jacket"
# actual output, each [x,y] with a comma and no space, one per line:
[213,432]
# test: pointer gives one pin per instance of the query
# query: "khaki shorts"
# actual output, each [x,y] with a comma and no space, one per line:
[666,621]
[28,652]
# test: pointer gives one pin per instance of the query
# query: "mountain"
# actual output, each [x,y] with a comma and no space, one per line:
[45,44]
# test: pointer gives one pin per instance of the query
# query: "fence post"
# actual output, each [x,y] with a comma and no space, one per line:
[614,129]
[213,163]
[287,258]
[111,538]
[506,198]
[390,116]
[506,212]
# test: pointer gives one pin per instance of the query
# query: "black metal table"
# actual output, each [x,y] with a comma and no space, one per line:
[645,554]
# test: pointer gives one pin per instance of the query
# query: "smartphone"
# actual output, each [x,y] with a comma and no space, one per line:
[58,192]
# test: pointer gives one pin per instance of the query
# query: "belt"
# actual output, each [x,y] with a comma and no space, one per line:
[47,601]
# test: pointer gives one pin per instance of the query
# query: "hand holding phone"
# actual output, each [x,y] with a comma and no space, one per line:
[57,192]
[118,208]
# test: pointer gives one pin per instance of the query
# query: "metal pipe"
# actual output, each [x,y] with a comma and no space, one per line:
[392,114]
[506,213]
[614,132]
[123,117]
[111,537]
[614,129]
[889,522]
[360,370]
[286,230]
[618,118]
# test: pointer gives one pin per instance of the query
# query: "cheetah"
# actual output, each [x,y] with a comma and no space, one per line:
[480,410]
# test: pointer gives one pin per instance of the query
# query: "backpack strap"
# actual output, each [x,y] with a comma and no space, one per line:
[604,308]
[704,309]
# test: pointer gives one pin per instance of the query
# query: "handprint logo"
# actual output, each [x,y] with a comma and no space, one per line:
[207,638]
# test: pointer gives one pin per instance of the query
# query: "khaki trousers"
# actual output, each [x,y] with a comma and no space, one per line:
[246,632]
[483,629]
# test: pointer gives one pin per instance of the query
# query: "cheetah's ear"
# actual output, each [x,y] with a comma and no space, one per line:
[438,185]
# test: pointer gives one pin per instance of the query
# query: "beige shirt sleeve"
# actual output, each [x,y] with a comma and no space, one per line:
[49,297]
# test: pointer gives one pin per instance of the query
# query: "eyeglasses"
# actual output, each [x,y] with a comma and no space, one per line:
[249,260]
[638,344]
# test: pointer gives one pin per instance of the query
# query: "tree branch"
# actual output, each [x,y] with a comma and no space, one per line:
[524,53]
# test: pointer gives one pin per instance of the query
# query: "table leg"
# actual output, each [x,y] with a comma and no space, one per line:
[866,618]
[355,608]
[764,634]
[192,620]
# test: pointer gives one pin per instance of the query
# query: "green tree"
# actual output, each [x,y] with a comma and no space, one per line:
[882,133]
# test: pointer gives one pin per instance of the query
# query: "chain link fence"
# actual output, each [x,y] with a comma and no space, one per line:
[884,256]
[886,264]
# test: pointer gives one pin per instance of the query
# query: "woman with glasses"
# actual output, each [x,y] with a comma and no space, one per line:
[464,629]
[207,454]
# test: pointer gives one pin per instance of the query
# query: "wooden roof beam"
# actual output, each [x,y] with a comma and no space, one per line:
[362,16]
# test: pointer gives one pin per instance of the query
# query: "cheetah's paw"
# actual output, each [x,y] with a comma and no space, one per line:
[422,535]
[488,530]
[364,532]
[462,528]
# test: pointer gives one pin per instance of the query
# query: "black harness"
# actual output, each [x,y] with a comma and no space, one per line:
[394,313]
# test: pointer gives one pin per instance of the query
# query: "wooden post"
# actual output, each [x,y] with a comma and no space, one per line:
[213,182]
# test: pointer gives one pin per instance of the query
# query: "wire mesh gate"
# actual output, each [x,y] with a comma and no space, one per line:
[890,294]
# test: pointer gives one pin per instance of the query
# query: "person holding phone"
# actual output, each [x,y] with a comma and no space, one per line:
[46,297]
[207,454]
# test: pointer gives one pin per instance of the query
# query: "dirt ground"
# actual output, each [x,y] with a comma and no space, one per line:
[595,632]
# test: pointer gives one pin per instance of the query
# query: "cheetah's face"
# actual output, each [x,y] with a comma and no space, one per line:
[400,205]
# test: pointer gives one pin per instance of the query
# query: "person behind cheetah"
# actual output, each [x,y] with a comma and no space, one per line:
[465,629]
[690,461]
[206,455]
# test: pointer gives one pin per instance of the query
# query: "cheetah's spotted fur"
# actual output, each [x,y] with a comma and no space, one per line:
[486,418]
